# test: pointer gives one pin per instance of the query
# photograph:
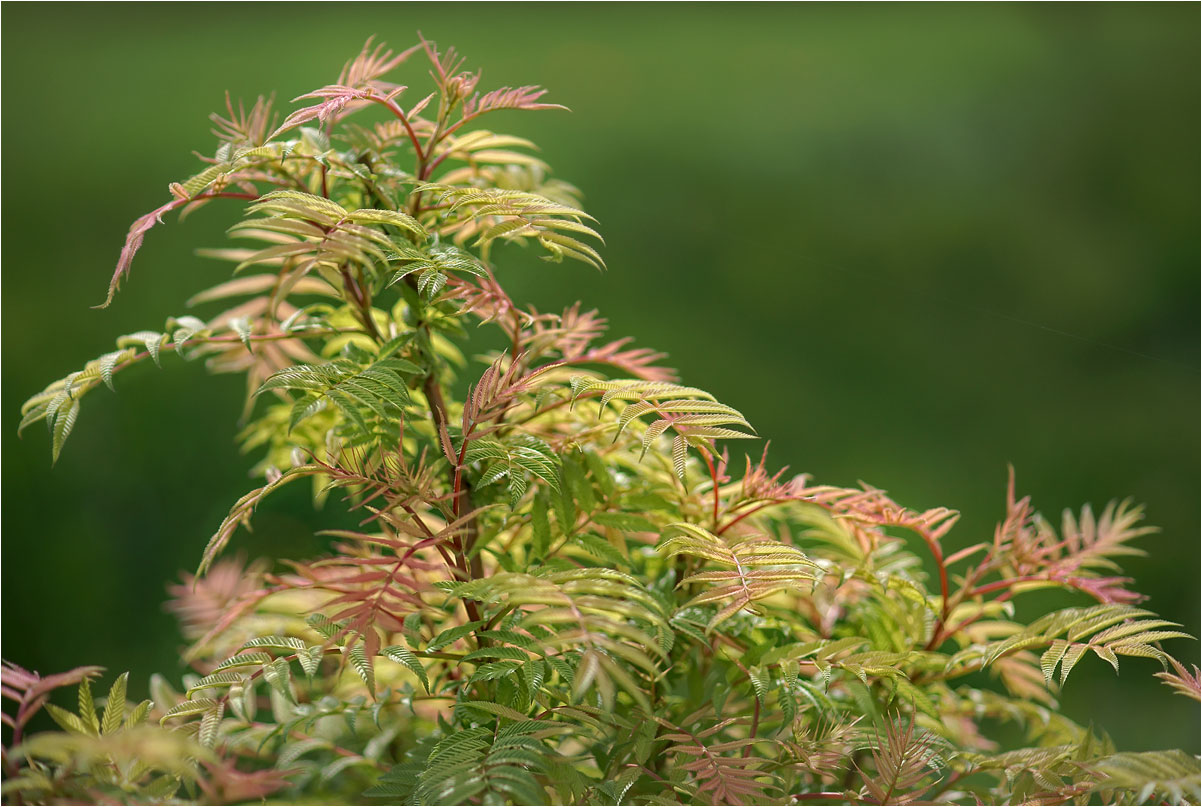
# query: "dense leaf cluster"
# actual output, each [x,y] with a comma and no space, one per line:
[561,591]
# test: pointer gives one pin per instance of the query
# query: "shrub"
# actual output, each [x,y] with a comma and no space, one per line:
[561,589]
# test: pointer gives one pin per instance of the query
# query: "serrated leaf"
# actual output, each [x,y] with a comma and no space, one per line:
[363,666]
[108,363]
[1051,657]
[498,709]
[210,724]
[759,682]
[1071,656]
[241,326]
[244,660]
[285,643]
[680,450]
[494,670]
[452,635]
[153,340]
[69,722]
[278,675]
[87,707]
[138,714]
[221,679]
[324,625]
[391,217]
[403,655]
[310,659]
[64,422]
[114,708]
[510,653]
[192,707]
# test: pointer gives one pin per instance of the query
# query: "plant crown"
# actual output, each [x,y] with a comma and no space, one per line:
[562,590]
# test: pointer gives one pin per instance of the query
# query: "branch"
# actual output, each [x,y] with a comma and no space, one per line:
[137,232]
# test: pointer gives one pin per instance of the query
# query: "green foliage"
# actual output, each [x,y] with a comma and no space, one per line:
[112,756]
[559,592]
[756,568]
[363,387]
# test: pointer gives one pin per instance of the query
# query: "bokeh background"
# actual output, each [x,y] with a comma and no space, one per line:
[912,243]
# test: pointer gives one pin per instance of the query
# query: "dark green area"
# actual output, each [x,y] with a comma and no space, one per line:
[911,243]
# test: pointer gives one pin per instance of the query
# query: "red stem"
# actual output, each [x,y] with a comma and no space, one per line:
[436,162]
[937,552]
[1001,584]
[944,633]
[392,107]
[363,301]
[750,512]
[199,340]
[473,566]
[949,632]
[222,195]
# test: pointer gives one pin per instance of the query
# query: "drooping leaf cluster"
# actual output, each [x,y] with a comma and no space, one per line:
[559,591]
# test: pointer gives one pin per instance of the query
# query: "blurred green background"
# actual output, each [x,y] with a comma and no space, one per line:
[912,243]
